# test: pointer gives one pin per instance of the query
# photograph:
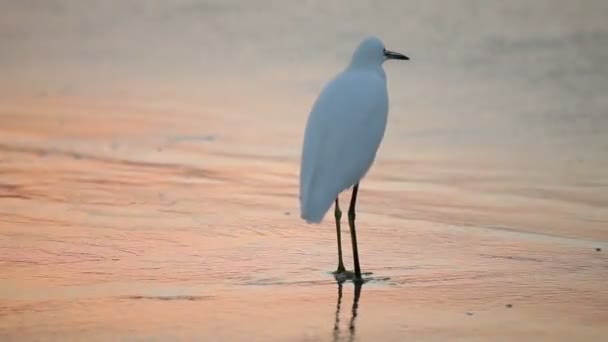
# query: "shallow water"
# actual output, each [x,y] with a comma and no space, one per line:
[149,159]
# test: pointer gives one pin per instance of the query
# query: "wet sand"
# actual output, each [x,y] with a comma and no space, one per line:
[111,230]
[149,158]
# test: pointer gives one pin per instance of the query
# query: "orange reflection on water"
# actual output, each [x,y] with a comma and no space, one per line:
[119,233]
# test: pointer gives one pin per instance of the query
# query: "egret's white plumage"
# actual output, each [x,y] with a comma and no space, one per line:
[344,130]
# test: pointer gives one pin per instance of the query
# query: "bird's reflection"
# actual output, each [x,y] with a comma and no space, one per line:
[354,311]
[337,320]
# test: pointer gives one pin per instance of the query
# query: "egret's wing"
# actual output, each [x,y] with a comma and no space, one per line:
[343,133]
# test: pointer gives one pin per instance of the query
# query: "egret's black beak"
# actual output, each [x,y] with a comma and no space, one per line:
[395,55]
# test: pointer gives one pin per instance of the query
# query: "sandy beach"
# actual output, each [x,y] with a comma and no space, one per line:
[157,200]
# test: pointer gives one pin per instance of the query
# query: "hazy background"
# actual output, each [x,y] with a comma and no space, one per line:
[149,155]
[519,77]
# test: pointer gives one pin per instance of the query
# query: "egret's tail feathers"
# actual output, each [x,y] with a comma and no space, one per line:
[314,209]
[311,220]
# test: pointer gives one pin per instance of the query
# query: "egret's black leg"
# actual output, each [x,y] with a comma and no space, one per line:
[353,233]
[338,215]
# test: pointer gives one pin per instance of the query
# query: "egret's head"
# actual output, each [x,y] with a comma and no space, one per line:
[371,52]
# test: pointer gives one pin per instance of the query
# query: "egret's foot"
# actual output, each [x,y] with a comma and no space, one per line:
[340,269]
[350,275]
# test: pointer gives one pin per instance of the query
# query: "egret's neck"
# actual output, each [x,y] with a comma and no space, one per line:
[366,67]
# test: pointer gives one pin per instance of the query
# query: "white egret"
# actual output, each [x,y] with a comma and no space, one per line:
[343,133]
